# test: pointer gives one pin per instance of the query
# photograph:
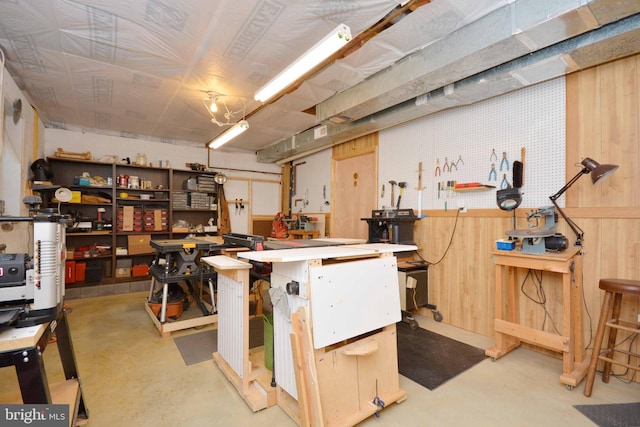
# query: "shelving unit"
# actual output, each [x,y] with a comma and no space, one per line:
[150,213]
[194,200]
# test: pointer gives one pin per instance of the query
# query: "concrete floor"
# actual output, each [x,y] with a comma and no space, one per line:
[133,377]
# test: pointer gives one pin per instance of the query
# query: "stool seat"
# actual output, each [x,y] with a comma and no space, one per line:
[609,322]
[623,286]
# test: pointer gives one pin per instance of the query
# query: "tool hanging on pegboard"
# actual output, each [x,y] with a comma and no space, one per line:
[402,186]
[393,195]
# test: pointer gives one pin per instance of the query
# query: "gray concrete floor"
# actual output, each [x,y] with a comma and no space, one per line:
[133,377]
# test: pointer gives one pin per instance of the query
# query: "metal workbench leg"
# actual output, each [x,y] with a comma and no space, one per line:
[32,376]
[163,309]
[151,288]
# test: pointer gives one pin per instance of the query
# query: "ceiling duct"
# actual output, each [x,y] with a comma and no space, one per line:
[514,30]
[607,43]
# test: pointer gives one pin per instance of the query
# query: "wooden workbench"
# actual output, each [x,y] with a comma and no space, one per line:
[509,330]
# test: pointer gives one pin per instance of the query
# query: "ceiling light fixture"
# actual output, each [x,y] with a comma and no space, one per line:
[326,47]
[215,102]
[213,107]
[229,134]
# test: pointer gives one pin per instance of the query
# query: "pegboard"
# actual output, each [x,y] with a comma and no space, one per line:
[532,118]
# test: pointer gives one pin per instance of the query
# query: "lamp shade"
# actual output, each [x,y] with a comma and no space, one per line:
[598,172]
[41,170]
[220,178]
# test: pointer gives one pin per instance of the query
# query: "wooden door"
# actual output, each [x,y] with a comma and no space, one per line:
[354,183]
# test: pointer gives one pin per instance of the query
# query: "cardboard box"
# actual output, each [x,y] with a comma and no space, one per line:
[121,251]
[123,267]
[139,244]
[123,272]
[123,263]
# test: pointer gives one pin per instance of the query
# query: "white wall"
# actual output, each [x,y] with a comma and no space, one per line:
[313,183]
[101,146]
[18,148]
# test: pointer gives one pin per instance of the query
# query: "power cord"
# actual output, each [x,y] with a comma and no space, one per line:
[586,309]
[541,296]
[448,246]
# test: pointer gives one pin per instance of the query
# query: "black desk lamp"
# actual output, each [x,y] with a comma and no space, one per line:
[598,174]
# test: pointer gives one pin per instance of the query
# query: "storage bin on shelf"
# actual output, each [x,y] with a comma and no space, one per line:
[130,218]
[156,220]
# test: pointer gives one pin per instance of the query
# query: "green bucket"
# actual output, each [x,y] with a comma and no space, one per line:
[268,341]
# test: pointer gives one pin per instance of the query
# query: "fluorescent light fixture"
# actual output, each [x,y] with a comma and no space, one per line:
[229,134]
[326,47]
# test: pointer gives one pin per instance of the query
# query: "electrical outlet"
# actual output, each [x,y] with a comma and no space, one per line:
[411,282]
[462,207]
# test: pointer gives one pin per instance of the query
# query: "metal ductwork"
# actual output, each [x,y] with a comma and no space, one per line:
[489,57]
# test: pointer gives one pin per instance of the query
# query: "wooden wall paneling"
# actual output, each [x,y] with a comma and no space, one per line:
[582,128]
[461,285]
[603,116]
[619,144]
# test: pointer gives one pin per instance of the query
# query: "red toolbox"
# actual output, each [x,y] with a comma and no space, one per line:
[70,272]
[140,270]
[81,271]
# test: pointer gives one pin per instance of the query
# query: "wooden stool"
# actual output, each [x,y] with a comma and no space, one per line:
[614,288]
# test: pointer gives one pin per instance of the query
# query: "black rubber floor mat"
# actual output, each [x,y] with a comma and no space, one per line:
[200,346]
[612,415]
[431,359]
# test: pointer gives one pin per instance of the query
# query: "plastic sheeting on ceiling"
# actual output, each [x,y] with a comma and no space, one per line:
[141,69]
